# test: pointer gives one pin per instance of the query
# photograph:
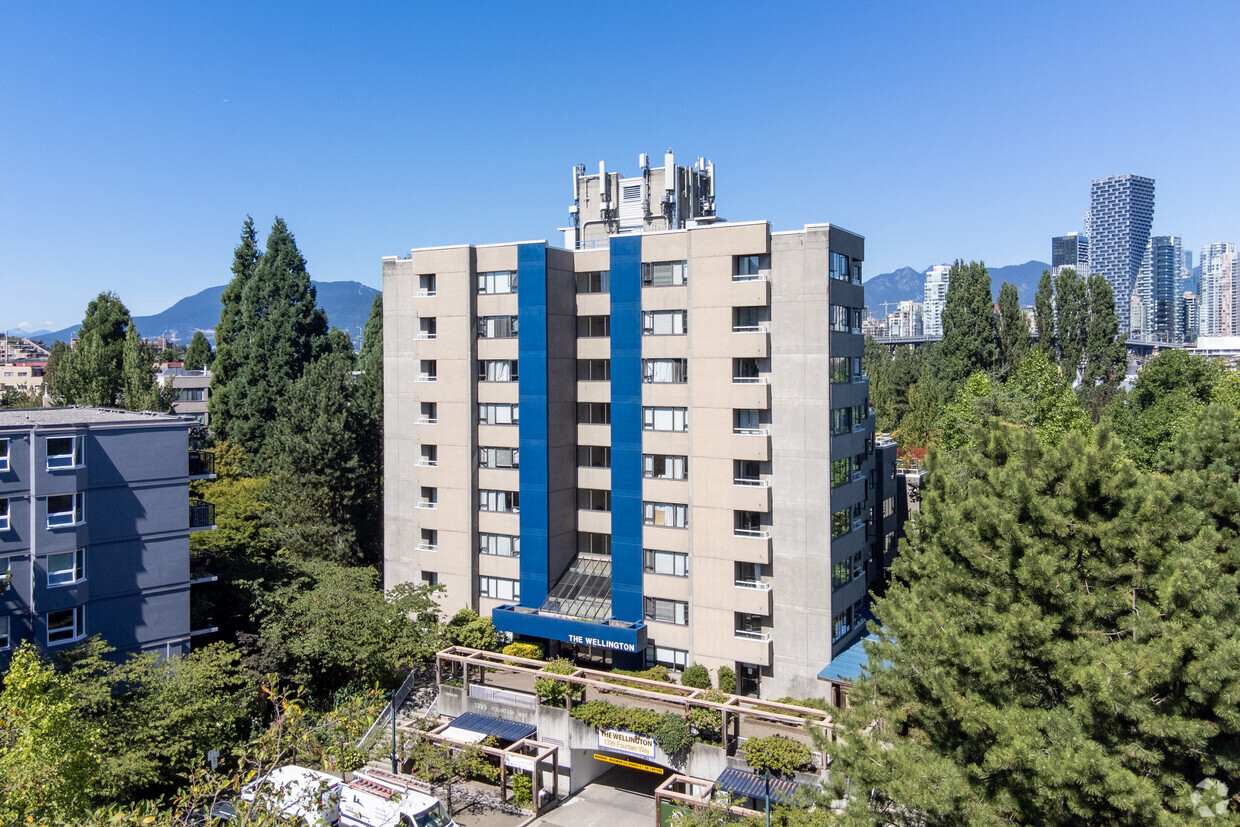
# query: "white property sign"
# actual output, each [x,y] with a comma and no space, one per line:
[618,740]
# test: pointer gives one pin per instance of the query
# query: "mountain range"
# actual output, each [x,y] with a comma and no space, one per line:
[346,303]
[907,284]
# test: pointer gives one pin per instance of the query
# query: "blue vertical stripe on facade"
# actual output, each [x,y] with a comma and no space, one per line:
[626,428]
[532,362]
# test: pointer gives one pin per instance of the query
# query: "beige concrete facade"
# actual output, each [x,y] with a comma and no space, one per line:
[738,516]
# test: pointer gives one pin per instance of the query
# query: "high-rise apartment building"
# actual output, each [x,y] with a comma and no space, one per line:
[1071,250]
[1217,308]
[1121,213]
[1159,293]
[95,521]
[935,299]
[653,447]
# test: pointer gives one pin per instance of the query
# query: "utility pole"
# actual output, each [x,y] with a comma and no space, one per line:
[766,777]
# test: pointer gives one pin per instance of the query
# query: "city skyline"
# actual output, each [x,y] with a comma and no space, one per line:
[139,151]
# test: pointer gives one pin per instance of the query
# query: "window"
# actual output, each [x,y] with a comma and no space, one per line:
[841,421]
[497,327]
[745,268]
[429,497]
[4,515]
[748,420]
[593,456]
[854,617]
[841,575]
[593,327]
[190,394]
[4,632]
[665,419]
[749,370]
[498,414]
[429,456]
[665,323]
[4,455]
[505,502]
[666,656]
[846,369]
[499,458]
[64,509]
[429,411]
[66,567]
[667,611]
[430,540]
[746,472]
[590,543]
[670,515]
[499,588]
[66,625]
[593,370]
[497,281]
[598,281]
[846,319]
[749,319]
[665,466]
[844,269]
[841,523]
[673,563]
[497,370]
[427,370]
[841,471]
[593,499]
[64,452]
[6,573]
[499,545]
[889,507]
[430,578]
[594,413]
[664,273]
[665,371]
[426,284]
[428,327]
[747,523]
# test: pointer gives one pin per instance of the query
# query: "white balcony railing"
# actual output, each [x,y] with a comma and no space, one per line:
[429,506]
[427,420]
[750,380]
[427,547]
[427,463]
[753,584]
[756,533]
[426,294]
[425,337]
[756,328]
[761,275]
[751,482]
[752,431]
[424,378]
[744,634]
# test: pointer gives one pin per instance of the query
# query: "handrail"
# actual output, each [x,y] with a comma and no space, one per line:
[743,634]
[752,431]
[750,380]
[753,584]
[751,532]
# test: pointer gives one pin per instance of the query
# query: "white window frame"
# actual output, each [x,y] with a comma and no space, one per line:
[497,327]
[4,514]
[675,515]
[664,322]
[4,454]
[499,545]
[61,460]
[499,588]
[665,273]
[665,371]
[4,633]
[76,627]
[499,457]
[493,282]
[489,413]
[675,466]
[665,419]
[76,568]
[499,501]
[676,659]
[663,610]
[670,563]
[77,514]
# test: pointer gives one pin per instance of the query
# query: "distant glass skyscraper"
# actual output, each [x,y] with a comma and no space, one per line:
[1217,306]
[1071,250]
[935,298]
[1121,212]
[1159,291]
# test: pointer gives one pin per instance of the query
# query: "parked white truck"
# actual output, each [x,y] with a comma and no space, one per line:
[371,801]
[299,794]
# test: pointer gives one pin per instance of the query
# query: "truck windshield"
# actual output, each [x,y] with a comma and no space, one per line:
[436,816]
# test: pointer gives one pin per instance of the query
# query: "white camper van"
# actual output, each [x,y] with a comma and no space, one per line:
[308,796]
[374,802]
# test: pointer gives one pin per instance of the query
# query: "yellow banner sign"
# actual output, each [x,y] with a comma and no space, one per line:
[633,765]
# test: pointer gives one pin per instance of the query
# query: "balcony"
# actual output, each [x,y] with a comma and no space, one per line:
[427,463]
[425,377]
[202,618]
[201,465]
[751,597]
[426,420]
[427,505]
[201,515]
[425,294]
[427,547]
[751,647]
[202,568]
[754,482]
[745,634]
[752,533]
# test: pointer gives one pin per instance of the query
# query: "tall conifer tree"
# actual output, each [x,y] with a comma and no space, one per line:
[1044,313]
[199,354]
[1071,311]
[224,368]
[1106,352]
[1012,331]
[968,322]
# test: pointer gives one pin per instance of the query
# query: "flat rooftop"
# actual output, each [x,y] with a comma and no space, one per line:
[17,417]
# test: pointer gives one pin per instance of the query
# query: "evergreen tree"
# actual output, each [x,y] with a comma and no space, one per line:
[281,331]
[968,322]
[1012,330]
[1044,312]
[56,356]
[1071,310]
[139,391]
[199,355]
[224,368]
[370,434]
[1061,642]
[1106,352]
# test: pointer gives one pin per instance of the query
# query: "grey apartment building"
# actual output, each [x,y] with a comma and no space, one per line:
[1121,213]
[654,446]
[95,521]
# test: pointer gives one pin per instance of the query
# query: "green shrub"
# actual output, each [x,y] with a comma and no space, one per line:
[673,735]
[654,673]
[812,703]
[780,755]
[727,680]
[525,650]
[696,676]
[708,722]
[523,789]
[466,628]
[552,692]
[604,715]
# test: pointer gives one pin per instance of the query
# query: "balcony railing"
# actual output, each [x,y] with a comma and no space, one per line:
[858,476]
[202,567]
[752,431]
[202,617]
[427,505]
[758,533]
[425,337]
[201,514]
[745,634]
[427,547]
[752,482]
[750,380]
[425,377]
[427,463]
[753,584]
[426,294]
[427,420]
[755,328]
[201,463]
[761,275]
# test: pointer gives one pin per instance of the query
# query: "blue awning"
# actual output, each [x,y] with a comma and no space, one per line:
[848,664]
[751,785]
[501,729]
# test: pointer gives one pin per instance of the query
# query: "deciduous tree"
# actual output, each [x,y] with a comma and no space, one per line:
[1012,331]
[968,323]
[1044,312]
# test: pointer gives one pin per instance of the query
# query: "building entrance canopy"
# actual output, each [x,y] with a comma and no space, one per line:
[628,637]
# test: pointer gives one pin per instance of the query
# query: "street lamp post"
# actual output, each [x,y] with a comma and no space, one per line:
[766,778]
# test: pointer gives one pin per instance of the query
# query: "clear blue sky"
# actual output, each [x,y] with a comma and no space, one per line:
[135,137]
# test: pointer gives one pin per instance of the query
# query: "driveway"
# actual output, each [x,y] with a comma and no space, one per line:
[618,798]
